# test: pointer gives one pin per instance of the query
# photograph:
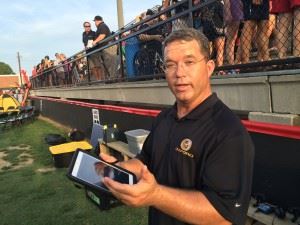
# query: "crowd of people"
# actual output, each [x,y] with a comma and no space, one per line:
[239,31]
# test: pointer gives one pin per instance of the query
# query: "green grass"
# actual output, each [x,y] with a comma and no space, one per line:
[28,197]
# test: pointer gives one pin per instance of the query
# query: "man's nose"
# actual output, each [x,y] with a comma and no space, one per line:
[180,70]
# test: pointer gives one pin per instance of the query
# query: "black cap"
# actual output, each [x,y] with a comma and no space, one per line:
[98,18]
[149,12]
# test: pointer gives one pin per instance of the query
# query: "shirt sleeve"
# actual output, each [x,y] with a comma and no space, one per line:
[228,177]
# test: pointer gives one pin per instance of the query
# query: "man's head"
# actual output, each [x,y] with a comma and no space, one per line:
[190,34]
[187,66]
[98,20]
[87,26]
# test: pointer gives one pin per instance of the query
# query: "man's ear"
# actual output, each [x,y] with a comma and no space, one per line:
[210,67]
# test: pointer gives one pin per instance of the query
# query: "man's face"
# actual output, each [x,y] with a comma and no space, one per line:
[87,27]
[187,72]
[97,22]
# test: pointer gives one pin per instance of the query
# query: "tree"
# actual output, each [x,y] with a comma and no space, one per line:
[5,69]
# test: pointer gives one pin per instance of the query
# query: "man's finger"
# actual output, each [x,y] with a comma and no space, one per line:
[107,158]
[115,186]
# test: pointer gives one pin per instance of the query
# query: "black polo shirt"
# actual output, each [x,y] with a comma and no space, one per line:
[208,150]
[86,36]
[103,29]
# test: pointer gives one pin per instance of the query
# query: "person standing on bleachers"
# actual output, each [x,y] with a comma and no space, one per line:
[88,36]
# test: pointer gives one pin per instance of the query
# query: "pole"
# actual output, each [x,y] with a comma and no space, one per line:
[120,14]
[19,63]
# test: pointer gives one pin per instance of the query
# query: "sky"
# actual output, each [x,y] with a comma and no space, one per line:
[39,28]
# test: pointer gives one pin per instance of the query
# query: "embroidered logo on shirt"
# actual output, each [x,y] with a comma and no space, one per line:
[185,146]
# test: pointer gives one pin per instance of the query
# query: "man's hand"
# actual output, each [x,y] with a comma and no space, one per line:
[143,193]
[108,158]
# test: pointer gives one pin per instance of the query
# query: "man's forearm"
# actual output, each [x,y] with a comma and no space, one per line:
[188,206]
[99,38]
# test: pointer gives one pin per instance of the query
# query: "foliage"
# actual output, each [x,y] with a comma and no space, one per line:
[5,69]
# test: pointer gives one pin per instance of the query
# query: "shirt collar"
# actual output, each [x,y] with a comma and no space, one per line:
[197,112]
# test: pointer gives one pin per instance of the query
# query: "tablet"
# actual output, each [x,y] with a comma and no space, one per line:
[90,171]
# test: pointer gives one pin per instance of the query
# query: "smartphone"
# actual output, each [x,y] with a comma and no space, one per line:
[90,171]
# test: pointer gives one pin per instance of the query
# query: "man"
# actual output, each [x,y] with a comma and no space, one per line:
[103,60]
[196,164]
[102,31]
[88,36]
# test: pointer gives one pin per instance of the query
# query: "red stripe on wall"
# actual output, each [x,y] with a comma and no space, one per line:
[131,110]
[252,126]
[273,129]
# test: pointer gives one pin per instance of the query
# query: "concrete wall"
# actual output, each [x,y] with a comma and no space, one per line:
[269,94]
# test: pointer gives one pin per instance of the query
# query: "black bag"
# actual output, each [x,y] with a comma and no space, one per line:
[76,135]
[55,139]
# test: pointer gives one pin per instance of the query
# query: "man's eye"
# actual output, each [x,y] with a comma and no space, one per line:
[189,63]
[170,65]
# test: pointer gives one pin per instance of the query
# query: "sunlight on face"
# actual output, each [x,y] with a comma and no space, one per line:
[187,72]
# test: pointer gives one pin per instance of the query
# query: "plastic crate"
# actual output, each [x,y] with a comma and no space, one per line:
[62,154]
[136,139]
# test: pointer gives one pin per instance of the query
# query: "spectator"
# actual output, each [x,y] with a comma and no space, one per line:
[88,36]
[288,12]
[182,22]
[212,21]
[33,72]
[105,61]
[153,37]
[60,73]
[152,41]
[48,75]
[67,68]
[256,17]
[196,164]
[102,32]
[233,15]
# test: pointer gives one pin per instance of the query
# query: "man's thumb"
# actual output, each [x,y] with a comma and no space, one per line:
[145,173]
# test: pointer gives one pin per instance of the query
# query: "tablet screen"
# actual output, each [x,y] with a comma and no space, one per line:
[92,170]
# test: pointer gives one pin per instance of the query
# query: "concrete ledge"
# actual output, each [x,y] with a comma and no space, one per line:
[286,119]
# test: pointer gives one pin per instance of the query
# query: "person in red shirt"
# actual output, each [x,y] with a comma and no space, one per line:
[287,10]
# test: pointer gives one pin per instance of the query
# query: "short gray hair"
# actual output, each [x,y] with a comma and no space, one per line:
[190,34]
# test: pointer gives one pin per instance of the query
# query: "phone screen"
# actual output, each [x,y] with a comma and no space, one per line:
[92,170]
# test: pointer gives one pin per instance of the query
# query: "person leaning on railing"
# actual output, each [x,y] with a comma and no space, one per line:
[152,38]
[102,33]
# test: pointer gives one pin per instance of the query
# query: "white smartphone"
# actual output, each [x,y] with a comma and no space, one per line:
[90,171]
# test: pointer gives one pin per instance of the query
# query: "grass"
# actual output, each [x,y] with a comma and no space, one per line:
[29,197]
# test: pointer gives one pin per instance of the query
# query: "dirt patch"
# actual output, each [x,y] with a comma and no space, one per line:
[23,159]
[3,163]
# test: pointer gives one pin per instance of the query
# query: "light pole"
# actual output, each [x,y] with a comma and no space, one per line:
[19,63]
[120,14]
